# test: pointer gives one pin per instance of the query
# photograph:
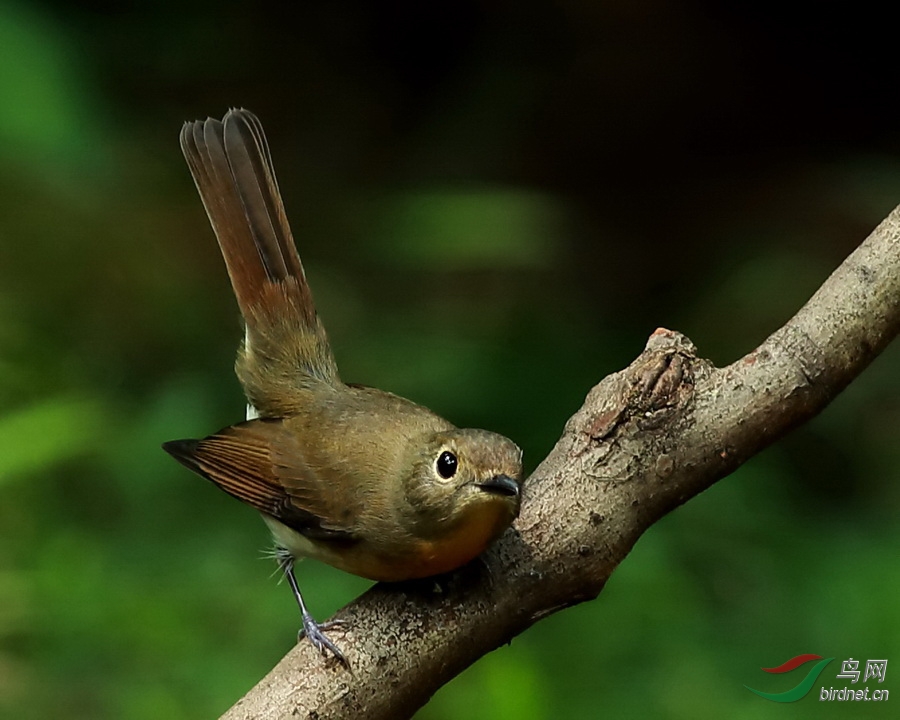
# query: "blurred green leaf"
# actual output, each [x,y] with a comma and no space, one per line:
[38,436]
[469,229]
[44,90]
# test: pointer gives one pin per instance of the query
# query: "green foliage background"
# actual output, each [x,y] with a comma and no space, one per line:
[497,204]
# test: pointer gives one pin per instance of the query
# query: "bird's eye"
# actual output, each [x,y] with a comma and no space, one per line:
[446,465]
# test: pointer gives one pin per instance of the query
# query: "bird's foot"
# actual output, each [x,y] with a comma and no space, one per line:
[315,632]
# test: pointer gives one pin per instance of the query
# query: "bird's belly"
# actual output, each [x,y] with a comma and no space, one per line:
[416,558]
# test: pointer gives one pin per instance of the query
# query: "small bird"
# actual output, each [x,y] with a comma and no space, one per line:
[361,479]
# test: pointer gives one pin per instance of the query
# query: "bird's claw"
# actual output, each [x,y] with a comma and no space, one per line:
[315,632]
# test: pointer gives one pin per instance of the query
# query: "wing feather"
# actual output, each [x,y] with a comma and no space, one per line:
[243,461]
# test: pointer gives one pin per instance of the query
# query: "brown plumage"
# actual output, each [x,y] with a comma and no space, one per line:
[356,477]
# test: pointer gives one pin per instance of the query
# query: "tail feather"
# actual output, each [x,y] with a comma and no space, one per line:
[251,165]
[232,169]
[203,145]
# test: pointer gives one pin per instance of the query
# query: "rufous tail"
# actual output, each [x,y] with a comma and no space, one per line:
[286,346]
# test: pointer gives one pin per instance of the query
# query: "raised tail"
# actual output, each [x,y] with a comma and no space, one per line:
[286,345]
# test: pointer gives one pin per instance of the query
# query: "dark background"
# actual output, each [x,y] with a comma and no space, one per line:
[497,203]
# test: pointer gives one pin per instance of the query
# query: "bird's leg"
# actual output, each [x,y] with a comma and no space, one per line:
[311,629]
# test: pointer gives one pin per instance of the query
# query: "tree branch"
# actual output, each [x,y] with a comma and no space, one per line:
[647,439]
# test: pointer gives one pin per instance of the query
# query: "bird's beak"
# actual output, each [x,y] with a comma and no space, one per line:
[501,485]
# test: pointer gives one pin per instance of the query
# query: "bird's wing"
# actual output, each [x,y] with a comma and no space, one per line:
[260,462]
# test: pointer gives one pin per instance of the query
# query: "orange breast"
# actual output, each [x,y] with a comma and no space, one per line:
[424,558]
[446,554]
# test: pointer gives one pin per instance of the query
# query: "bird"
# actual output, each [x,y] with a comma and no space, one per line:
[356,477]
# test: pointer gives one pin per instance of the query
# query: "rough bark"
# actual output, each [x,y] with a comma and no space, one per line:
[647,439]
